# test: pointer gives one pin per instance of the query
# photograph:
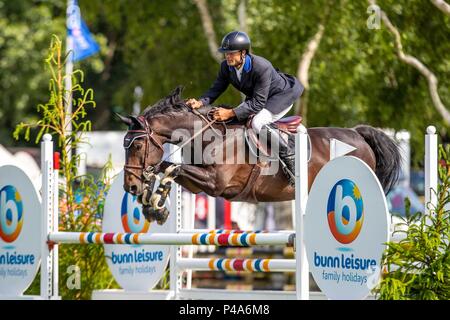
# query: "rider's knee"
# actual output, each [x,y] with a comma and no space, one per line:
[261,119]
[256,125]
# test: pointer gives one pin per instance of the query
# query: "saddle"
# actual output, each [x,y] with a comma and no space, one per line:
[287,125]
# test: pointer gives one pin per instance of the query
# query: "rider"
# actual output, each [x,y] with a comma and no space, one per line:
[269,92]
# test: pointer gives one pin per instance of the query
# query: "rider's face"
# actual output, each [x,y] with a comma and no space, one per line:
[233,58]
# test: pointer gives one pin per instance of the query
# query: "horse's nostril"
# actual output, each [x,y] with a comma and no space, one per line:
[133,189]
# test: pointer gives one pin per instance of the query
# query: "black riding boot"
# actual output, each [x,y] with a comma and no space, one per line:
[285,152]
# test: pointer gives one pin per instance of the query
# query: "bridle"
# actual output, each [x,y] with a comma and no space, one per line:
[148,171]
[148,133]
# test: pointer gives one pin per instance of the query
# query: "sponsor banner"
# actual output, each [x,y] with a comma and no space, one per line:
[20,231]
[135,267]
[346,228]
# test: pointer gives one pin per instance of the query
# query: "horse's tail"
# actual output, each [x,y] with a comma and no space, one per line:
[387,155]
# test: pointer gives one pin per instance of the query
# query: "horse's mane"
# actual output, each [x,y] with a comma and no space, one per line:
[168,105]
[174,104]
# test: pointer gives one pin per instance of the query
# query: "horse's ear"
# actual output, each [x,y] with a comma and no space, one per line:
[179,90]
[126,120]
[176,94]
[137,122]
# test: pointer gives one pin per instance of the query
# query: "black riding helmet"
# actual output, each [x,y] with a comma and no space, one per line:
[235,41]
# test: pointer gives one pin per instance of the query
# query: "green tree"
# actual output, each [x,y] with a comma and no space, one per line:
[355,75]
[25,29]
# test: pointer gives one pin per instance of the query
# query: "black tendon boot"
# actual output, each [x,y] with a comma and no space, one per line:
[286,153]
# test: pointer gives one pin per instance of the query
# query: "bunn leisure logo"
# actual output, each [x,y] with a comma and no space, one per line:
[345,211]
[11,213]
[132,218]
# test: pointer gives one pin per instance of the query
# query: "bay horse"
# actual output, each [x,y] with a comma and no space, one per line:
[233,181]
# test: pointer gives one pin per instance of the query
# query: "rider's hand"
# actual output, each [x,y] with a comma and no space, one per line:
[194,103]
[222,114]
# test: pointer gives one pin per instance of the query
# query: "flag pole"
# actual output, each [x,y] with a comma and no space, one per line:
[68,78]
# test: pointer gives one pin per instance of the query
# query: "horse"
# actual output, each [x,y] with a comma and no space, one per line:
[233,181]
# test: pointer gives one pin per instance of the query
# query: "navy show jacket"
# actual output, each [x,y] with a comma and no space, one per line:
[263,85]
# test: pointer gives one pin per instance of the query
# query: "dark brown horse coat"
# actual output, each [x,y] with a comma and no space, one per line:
[238,182]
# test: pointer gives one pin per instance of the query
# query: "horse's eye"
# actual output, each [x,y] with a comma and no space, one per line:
[138,146]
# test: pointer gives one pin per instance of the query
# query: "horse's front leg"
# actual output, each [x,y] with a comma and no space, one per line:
[197,178]
[185,175]
[159,197]
[154,209]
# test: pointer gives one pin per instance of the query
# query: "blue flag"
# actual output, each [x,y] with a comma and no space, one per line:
[83,44]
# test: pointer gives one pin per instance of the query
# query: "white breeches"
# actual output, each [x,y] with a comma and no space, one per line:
[264,117]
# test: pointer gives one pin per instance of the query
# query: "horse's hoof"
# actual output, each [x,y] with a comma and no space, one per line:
[162,216]
[148,213]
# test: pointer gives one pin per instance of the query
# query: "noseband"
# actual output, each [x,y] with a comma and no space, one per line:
[148,134]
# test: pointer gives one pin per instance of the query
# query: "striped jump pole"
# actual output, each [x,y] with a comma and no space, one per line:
[228,231]
[236,252]
[245,265]
[231,239]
